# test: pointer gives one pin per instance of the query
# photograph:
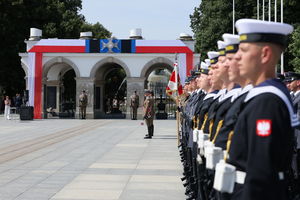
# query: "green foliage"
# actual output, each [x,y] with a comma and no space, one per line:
[213,18]
[57,19]
[294,48]
[97,29]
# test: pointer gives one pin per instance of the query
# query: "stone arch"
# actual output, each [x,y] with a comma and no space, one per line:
[25,68]
[152,64]
[109,60]
[59,60]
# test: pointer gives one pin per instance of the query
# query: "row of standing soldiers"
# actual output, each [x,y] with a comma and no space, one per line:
[238,120]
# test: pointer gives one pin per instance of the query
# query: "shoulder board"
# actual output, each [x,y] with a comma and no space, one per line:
[271,89]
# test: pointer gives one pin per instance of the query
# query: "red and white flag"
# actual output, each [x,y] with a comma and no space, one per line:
[174,83]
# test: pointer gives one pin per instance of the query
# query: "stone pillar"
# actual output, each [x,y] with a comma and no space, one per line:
[135,84]
[44,97]
[98,112]
[87,84]
[55,83]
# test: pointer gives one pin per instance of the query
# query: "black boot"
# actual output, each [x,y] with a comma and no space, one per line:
[148,136]
[151,130]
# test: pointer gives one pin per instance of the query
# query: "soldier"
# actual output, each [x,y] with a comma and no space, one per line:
[294,86]
[83,100]
[134,104]
[232,43]
[261,145]
[149,113]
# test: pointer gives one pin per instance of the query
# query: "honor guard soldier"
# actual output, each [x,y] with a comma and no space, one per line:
[149,113]
[294,86]
[224,102]
[261,146]
[232,45]
[217,83]
[134,104]
[212,93]
[83,100]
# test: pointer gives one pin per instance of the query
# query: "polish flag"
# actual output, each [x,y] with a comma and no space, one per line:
[174,83]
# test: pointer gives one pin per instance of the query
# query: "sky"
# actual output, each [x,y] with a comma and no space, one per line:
[158,19]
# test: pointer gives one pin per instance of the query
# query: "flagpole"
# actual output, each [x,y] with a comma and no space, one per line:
[281,62]
[177,101]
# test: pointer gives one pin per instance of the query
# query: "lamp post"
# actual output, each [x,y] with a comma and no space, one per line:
[233,16]
[263,11]
[257,9]
[270,10]
[281,62]
[275,11]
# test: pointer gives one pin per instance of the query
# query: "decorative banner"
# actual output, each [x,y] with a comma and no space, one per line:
[185,57]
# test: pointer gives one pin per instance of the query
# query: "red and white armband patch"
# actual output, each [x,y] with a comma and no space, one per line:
[263,127]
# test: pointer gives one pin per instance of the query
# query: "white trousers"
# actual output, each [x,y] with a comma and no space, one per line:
[7,112]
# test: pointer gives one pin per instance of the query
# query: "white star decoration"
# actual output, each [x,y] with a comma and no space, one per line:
[110,45]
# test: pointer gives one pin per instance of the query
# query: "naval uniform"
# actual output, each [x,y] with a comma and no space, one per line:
[231,117]
[262,142]
[220,111]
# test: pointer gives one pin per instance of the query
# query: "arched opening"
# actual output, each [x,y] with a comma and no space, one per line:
[68,94]
[110,91]
[60,91]
[157,78]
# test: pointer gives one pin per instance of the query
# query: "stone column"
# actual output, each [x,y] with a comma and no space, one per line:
[135,84]
[87,84]
[44,96]
[98,112]
[55,83]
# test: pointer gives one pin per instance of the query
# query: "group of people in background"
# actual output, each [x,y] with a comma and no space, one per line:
[6,103]
[239,136]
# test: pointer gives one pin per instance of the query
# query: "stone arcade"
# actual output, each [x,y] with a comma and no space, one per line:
[48,60]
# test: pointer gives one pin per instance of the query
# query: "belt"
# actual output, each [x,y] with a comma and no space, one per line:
[240,176]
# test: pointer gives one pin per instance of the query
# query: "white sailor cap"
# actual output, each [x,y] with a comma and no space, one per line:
[207,61]
[232,42]
[213,56]
[221,47]
[252,30]
[204,68]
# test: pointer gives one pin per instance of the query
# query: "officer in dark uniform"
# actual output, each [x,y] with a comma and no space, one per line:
[293,80]
[261,145]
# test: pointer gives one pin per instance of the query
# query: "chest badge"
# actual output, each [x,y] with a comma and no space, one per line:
[263,127]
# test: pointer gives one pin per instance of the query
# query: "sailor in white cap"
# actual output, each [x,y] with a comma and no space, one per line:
[224,101]
[261,145]
[216,85]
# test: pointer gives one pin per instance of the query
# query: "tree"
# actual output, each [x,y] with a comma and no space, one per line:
[57,18]
[295,49]
[97,29]
[213,18]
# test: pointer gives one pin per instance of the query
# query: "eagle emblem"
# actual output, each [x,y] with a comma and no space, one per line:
[263,127]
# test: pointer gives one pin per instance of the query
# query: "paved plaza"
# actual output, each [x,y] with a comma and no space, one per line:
[88,159]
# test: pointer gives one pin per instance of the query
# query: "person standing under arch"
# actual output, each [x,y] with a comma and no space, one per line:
[134,104]
[83,100]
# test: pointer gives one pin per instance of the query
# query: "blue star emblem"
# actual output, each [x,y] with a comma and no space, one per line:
[110,45]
